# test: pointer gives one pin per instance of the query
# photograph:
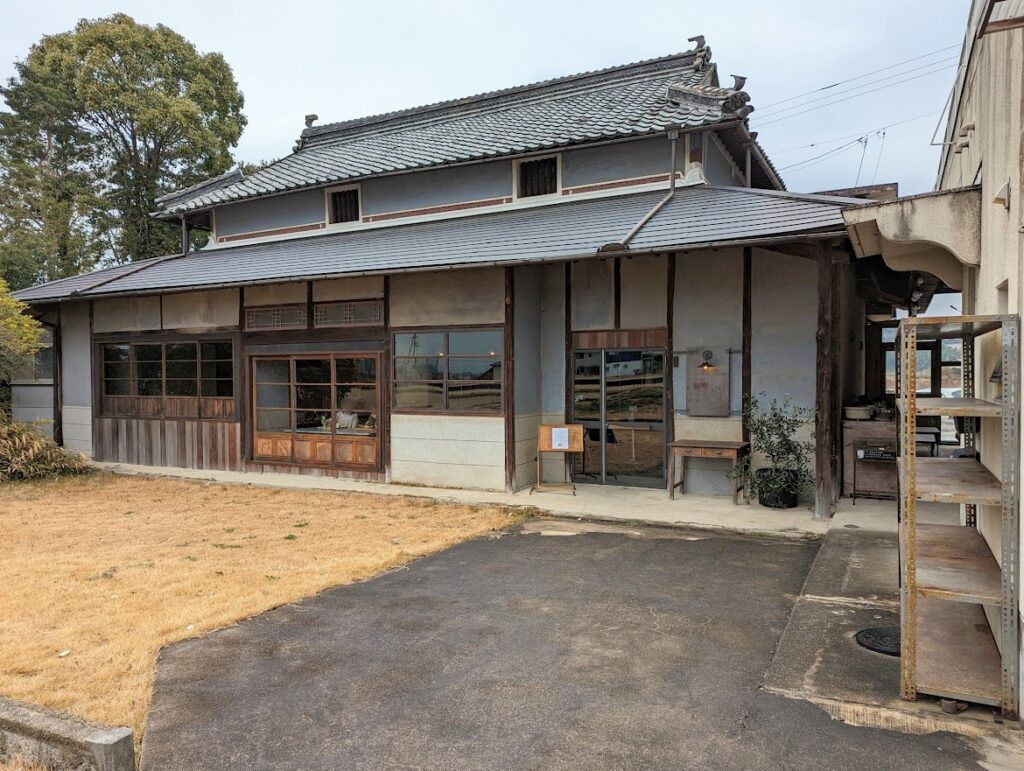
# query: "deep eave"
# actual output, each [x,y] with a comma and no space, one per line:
[696,218]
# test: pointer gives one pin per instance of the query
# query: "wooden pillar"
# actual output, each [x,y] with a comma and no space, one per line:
[508,368]
[670,410]
[826,383]
[746,339]
[58,379]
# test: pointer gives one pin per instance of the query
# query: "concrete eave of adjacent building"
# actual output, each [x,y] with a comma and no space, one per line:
[939,232]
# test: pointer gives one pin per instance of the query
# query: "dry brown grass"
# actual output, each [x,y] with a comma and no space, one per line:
[97,573]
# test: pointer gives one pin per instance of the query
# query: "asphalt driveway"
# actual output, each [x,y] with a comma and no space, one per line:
[641,648]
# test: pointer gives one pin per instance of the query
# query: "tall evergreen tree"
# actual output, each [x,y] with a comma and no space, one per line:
[139,112]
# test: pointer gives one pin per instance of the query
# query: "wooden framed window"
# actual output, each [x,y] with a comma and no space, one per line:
[317,409]
[181,378]
[353,313]
[540,176]
[454,371]
[276,317]
[344,205]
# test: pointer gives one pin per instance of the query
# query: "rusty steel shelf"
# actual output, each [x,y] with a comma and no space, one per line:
[954,480]
[955,602]
[955,564]
[955,407]
[957,656]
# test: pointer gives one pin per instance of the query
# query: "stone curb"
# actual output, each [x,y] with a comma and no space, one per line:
[62,742]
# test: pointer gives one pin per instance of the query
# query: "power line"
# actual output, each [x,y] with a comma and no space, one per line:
[821,158]
[864,141]
[858,134]
[862,85]
[864,75]
[848,98]
[878,161]
[810,161]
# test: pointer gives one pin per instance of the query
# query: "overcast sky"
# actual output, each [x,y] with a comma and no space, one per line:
[348,59]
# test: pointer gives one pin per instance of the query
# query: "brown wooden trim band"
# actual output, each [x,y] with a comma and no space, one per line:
[621,338]
[272,232]
[598,186]
[440,209]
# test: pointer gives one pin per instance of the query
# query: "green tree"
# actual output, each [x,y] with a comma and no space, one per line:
[149,113]
[20,335]
[49,209]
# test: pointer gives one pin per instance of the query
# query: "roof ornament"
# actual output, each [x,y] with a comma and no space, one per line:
[311,119]
[698,41]
[738,81]
[736,103]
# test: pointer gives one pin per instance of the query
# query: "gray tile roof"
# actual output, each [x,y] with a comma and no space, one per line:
[631,100]
[565,230]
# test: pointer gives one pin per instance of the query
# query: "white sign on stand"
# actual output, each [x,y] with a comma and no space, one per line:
[559,438]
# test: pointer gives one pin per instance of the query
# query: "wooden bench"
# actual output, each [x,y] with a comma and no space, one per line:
[703,448]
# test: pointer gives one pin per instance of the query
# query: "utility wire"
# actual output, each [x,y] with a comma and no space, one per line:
[848,98]
[859,134]
[878,160]
[829,96]
[864,141]
[821,159]
[864,75]
[823,155]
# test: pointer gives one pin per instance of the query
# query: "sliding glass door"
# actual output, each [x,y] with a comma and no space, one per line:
[619,397]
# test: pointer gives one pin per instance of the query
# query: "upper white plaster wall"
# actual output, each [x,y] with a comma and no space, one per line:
[644,286]
[449,297]
[275,294]
[305,207]
[784,321]
[358,288]
[201,310]
[593,299]
[620,160]
[437,187]
[126,314]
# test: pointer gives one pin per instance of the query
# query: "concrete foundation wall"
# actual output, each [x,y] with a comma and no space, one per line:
[448,451]
[30,402]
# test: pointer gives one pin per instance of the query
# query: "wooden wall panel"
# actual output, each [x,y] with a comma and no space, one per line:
[214,445]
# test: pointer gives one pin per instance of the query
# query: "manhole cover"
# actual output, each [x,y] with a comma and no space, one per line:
[881,639]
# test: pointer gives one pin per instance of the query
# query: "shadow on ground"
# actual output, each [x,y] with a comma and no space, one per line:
[529,651]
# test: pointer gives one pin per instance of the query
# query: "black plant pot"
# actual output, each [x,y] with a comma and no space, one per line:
[783,495]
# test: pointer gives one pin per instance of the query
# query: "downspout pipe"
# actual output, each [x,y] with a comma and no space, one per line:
[673,136]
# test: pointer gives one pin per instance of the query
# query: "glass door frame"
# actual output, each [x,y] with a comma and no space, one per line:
[602,421]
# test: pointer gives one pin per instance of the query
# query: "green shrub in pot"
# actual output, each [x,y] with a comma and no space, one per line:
[774,428]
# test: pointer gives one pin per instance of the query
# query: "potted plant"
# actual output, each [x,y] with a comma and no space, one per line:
[786,471]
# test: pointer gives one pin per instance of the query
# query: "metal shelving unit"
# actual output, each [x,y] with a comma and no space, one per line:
[949,575]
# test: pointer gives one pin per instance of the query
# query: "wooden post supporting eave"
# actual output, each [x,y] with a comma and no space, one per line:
[826,383]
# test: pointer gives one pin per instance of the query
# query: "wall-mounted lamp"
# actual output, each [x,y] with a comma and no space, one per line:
[1002,196]
[706,364]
